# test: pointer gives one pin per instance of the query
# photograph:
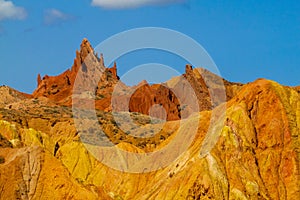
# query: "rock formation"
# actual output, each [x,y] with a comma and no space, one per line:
[60,88]
[251,151]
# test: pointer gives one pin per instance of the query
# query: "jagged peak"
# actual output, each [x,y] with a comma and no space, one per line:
[85,44]
[188,68]
[85,49]
[81,54]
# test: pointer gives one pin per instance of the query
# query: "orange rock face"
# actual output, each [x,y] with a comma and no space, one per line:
[60,88]
[147,96]
[193,82]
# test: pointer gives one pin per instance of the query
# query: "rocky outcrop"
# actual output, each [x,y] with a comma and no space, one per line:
[155,100]
[39,80]
[210,90]
[60,88]
[113,71]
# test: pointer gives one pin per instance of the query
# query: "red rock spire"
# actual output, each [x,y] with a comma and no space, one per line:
[39,80]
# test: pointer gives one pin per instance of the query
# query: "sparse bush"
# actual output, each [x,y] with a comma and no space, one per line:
[2,160]
[100,96]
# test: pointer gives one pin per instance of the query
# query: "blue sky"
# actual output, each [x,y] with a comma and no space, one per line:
[246,39]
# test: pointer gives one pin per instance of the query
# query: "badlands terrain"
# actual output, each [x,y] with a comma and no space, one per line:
[241,143]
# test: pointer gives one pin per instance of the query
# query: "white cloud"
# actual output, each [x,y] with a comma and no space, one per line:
[127,4]
[53,16]
[9,11]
